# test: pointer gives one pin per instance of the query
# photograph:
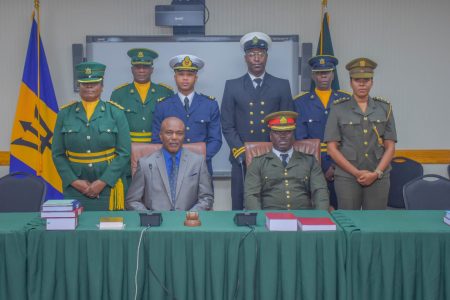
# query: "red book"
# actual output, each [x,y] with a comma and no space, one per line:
[315,224]
[281,222]
[62,214]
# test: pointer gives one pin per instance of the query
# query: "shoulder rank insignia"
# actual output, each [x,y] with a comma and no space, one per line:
[67,105]
[341,100]
[209,97]
[166,86]
[116,104]
[345,92]
[121,86]
[161,99]
[381,99]
[299,95]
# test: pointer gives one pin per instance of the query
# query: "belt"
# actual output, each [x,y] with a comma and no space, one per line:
[91,157]
[323,147]
[141,137]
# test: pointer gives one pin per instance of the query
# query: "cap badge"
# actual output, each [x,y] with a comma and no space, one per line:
[88,71]
[187,62]
[140,54]
[362,63]
[322,61]
[255,40]
[283,120]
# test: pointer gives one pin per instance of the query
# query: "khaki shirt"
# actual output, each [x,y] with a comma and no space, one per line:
[360,134]
[301,185]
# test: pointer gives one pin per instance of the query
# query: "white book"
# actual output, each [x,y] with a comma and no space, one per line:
[62,223]
[111,223]
[281,222]
[447,220]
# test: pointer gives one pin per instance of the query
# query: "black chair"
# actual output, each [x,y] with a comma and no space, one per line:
[428,192]
[403,171]
[21,192]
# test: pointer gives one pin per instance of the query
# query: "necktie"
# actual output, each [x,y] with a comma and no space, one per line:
[173,179]
[258,84]
[284,159]
[186,103]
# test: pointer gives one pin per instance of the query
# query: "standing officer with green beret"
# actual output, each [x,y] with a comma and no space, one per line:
[91,145]
[284,178]
[361,138]
[139,97]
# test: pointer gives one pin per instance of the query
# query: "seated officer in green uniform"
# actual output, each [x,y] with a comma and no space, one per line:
[284,178]
[361,138]
[91,145]
[139,97]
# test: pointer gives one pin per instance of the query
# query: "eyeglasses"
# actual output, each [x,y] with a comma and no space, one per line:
[256,54]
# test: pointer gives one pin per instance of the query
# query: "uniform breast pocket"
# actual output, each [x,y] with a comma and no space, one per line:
[201,124]
[350,127]
[71,133]
[379,123]
[314,126]
[129,111]
[107,134]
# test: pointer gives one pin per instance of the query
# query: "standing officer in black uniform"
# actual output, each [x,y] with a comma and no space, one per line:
[246,100]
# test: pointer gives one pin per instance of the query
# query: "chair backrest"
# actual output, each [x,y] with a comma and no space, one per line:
[139,150]
[448,171]
[308,146]
[427,192]
[403,171]
[21,192]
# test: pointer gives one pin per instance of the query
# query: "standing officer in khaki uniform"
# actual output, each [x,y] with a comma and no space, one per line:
[361,138]
[139,97]
[91,145]
[284,178]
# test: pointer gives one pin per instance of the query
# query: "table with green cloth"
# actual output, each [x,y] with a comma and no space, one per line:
[203,262]
[396,254]
[13,247]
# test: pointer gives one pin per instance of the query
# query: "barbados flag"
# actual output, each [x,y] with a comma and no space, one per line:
[32,133]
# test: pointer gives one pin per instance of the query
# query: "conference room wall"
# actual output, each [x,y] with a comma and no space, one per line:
[408,38]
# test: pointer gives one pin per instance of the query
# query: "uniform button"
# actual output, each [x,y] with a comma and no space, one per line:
[262,102]
[187,128]
[262,121]
[306,177]
[70,130]
[108,130]
[251,103]
[287,192]
[326,112]
[143,118]
[88,137]
[287,184]
[312,96]
[87,124]
[90,165]
[288,196]
[251,131]
[263,130]
[366,143]
[288,205]
[143,130]
[128,110]
[251,113]
[88,151]
[366,155]
[378,121]
[286,181]
[310,120]
[187,116]
[365,130]
[188,140]
[285,174]
[365,118]
[261,112]
[251,122]
[351,123]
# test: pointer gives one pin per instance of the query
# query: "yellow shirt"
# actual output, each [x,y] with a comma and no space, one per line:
[89,107]
[324,96]
[142,89]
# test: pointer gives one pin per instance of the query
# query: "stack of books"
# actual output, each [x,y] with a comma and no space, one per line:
[289,222]
[61,214]
[447,217]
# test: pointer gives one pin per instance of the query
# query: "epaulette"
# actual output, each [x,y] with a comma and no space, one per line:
[161,99]
[121,86]
[209,97]
[345,92]
[341,100]
[116,104]
[381,99]
[166,86]
[67,105]
[299,95]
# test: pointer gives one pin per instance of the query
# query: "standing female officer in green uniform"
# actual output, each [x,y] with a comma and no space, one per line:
[361,138]
[91,145]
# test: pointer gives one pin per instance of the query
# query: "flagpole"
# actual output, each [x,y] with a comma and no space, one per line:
[38,39]
[322,16]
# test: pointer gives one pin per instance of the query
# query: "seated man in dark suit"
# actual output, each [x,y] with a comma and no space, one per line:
[172,178]
[284,178]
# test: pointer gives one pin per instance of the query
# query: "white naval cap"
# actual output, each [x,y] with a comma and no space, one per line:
[254,40]
[186,62]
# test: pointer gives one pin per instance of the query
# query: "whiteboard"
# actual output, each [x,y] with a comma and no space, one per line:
[223,56]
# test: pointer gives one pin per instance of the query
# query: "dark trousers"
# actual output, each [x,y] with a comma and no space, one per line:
[237,185]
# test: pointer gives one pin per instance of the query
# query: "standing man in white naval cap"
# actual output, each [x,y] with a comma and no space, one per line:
[246,100]
[200,113]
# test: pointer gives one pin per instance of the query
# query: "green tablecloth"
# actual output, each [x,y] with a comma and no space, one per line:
[193,263]
[396,254]
[13,244]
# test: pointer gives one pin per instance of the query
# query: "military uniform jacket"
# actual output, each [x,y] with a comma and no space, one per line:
[243,110]
[361,135]
[202,121]
[301,185]
[139,115]
[312,118]
[107,129]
